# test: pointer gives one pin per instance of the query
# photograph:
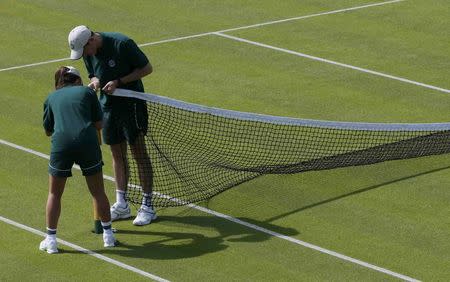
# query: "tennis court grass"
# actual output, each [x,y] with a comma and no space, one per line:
[393,215]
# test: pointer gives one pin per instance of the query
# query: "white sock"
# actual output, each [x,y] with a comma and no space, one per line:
[147,200]
[106,227]
[120,198]
[51,234]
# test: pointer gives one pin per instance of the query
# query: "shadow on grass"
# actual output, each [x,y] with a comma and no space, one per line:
[362,190]
[194,236]
[163,245]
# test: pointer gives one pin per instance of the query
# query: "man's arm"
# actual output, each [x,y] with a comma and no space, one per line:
[136,74]
[94,81]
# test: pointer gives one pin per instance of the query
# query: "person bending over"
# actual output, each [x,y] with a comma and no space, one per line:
[72,116]
[115,61]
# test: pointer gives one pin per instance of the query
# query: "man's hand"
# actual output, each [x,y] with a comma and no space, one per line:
[111,86]
[95,84]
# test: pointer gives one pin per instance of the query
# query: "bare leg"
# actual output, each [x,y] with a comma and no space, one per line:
[97,189]
[146,213]
[55,191]
[139,151]
[120,165]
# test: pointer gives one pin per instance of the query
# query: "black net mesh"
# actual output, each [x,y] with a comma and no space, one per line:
[196,154]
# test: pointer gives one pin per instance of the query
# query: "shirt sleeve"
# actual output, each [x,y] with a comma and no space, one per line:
[89,68]
[96,110]
[133,54]
[48,119]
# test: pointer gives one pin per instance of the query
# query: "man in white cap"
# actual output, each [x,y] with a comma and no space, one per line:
[115,61]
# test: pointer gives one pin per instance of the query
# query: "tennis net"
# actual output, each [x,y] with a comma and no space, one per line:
[197,152]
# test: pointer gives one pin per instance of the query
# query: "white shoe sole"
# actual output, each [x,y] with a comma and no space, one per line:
[49,251]
[109,245]
[52,251]
[141,224]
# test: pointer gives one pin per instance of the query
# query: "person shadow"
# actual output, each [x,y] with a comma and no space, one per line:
[215,234]
[205,234]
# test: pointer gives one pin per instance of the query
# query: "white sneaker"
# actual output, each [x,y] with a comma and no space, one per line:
[108,239]
[120,212]
[49,245]
[144,216]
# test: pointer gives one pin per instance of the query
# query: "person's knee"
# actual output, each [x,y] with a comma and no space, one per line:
[97,190]
[118,152]
[95,183]
[139,152]
[55,195]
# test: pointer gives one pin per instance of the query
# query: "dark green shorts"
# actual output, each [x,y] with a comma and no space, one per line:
[89,159]
[125,124]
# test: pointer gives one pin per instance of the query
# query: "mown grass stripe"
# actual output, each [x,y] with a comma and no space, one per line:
[255,227]
[86,251]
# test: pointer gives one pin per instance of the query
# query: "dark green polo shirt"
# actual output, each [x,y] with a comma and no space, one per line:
[118,57]
[70,114]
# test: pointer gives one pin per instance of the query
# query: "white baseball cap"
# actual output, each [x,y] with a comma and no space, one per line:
[78,38]
[73,70]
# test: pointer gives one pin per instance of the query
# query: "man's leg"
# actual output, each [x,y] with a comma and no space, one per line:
[145,170]
[120,165]
[146,213]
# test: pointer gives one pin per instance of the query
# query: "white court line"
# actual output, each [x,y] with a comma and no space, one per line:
[333,62]
[224,30]
[253,226]
[35,64]
[238,221]
[86,251]
[272,22]
[313,15]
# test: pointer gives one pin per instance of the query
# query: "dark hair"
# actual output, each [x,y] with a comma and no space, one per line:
[62,78]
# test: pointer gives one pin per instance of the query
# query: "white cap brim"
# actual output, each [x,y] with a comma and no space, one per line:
[76,54]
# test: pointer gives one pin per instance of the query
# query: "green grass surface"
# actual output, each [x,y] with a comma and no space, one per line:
[24,262]
[394,215]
